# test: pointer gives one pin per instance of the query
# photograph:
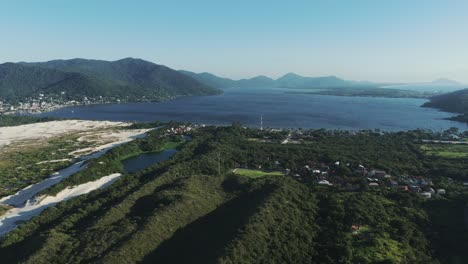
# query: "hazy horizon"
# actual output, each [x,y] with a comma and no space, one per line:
[397,41]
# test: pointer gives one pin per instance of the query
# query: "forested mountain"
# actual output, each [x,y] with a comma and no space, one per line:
[125,79]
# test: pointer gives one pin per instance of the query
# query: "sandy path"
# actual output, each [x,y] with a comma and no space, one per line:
[16,216]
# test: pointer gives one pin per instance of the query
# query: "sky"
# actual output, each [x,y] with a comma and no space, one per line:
[375,40]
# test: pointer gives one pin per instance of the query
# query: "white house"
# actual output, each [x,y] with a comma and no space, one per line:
[426,195]
[324,182]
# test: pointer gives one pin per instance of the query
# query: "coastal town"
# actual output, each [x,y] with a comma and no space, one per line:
[45,103]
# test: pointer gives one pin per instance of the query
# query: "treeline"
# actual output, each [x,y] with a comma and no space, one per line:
[16,120]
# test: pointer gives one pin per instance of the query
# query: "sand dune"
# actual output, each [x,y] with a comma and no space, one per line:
[25,204]
[9,135]
[14,217]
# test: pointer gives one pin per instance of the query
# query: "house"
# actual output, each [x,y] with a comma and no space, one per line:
[380,173]
[423,182]
[465,184]
[393,183]
[414,188]
[355,228]
[403,188]
[441,192]
[426,195]
[324,182]
[373,185]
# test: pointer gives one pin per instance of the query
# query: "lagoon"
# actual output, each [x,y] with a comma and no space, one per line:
[279,110]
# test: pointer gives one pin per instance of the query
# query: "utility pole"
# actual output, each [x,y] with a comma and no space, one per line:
[261,122]
[219,164]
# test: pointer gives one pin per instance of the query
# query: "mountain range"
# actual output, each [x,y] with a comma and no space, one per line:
[74,79]
[289,80]
[132,79]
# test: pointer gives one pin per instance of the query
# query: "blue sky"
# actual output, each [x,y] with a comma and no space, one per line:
[396,41]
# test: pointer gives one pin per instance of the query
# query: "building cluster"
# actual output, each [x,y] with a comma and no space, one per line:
[331,174]
[43,103]
[180,130]
[40,104]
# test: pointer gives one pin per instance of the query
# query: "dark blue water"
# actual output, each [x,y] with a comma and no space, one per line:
[141,162]
[279,110]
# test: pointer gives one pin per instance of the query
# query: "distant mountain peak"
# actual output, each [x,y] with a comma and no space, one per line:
[445,81]
[261,77]
[291,75]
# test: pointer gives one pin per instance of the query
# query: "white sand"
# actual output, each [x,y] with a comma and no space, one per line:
[114,138]
[24,203]
[14,217]
[52,161]
[27,193]
[19,198]
[44,130]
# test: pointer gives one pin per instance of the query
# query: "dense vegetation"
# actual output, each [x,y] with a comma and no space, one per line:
[126,79]
[21,166]
[15,120]
[194,209]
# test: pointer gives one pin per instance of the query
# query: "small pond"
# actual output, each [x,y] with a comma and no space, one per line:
[142,161]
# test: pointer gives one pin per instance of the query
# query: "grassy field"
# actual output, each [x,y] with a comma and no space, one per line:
[171,145]
[445,150]
[256,173]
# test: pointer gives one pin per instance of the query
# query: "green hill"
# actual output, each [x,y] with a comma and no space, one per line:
[193,209]
[127,79]
[456,102]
